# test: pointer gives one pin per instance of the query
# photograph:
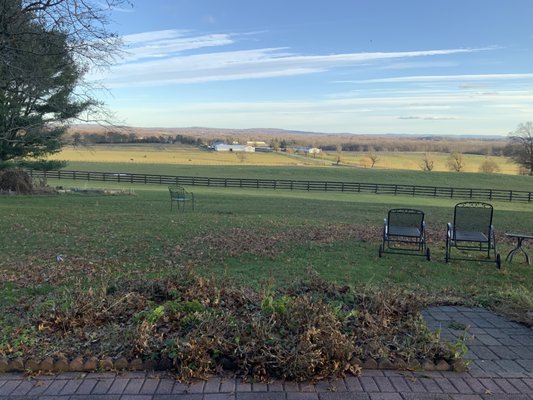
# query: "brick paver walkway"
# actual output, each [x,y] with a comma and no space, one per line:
[502,368]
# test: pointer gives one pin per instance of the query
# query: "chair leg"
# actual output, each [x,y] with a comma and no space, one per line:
[448,249]
[494,244]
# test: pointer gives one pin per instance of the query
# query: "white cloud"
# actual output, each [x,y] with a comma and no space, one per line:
[415,64]
[448,78]
[168,43]
[428,118]
[144,37]
[155,61]
[455,113]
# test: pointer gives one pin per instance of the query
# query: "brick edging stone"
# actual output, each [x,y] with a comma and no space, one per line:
[92,364]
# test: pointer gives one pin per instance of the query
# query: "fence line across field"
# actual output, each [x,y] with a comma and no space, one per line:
[284,184]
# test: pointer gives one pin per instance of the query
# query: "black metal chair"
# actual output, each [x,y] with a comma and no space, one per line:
[404,232]
[181,197]
[472,230]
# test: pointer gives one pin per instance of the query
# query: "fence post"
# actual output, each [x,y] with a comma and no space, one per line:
[510,195]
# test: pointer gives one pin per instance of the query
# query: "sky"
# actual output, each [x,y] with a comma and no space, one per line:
[441,67]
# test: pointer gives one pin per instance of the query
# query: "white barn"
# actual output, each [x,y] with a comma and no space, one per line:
[234,148]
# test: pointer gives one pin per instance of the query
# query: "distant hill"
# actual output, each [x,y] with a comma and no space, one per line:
[257,133]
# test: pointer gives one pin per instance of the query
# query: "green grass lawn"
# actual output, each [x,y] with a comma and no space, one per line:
[135,235]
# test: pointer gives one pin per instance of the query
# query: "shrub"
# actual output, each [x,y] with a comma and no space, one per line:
[489,166]
[16,180]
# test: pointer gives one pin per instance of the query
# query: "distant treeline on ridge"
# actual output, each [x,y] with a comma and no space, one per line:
[327,142]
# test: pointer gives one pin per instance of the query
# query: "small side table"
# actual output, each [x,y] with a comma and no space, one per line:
[519,239]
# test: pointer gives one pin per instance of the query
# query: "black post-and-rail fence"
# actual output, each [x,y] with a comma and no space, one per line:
[283,184]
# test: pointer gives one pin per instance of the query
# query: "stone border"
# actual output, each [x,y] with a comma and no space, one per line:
[93,364]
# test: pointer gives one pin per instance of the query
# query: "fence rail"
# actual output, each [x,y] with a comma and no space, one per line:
[283,184]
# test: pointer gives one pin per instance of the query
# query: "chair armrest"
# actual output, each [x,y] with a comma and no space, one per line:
[449,229]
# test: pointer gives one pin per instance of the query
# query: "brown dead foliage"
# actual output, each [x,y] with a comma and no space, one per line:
[311,330]
[36,271]
[264,243]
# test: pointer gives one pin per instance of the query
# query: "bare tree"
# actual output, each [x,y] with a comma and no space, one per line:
[427,163]
[456,162]
[84,23]
[373,157]
[522,143]
[338,154]
[489,166]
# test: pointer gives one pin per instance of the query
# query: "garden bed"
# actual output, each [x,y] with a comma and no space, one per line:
[198,327]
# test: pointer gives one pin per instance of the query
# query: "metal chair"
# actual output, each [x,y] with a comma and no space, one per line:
[472,230]
[404,232]
[181,197]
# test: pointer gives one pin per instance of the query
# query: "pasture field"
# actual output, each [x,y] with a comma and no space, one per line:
[170,154]
[279,166]
[181,155]
[412,161]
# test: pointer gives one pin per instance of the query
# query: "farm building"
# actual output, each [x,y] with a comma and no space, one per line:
[307,150]
[234,148]
[256,143]
[264,149]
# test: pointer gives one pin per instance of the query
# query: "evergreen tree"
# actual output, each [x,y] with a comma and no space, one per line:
[45,50]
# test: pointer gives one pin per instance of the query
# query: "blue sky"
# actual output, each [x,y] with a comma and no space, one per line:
[359,66]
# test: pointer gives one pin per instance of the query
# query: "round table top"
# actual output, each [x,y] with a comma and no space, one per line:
[519,235]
